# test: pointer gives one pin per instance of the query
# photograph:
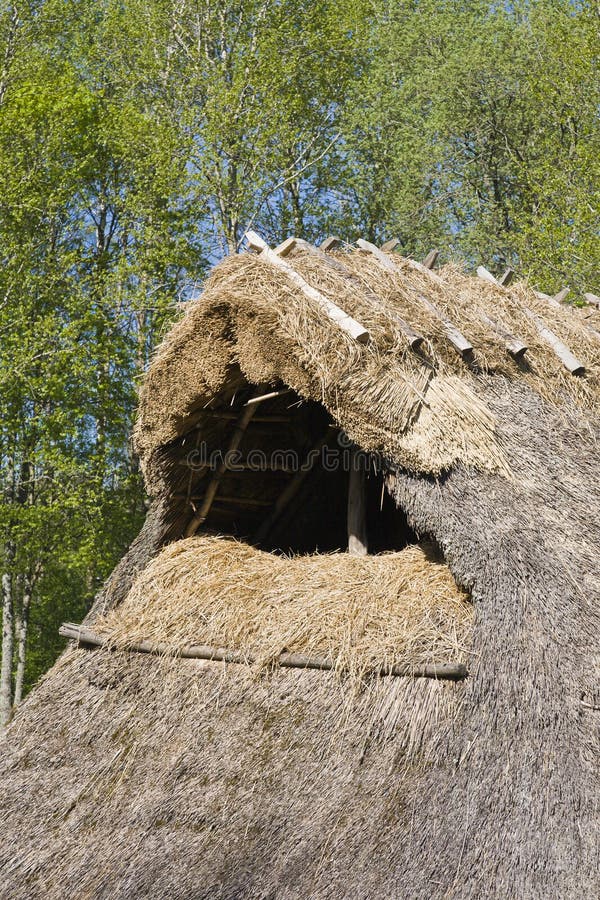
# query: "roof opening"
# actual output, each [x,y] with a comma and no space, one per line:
[274,470]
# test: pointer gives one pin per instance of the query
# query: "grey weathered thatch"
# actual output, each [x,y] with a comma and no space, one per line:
[124,776]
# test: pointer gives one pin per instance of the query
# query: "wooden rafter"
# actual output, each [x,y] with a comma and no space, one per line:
[337,315]
[213,486]
[414,339]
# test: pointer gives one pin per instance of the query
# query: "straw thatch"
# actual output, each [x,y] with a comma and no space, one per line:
[127,775]
[250,317]
[360,611]
[188,780]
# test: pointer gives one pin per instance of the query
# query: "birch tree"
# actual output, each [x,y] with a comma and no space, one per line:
[254,91]
[74,215]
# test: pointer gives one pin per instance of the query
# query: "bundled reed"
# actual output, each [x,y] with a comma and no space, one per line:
[361,612]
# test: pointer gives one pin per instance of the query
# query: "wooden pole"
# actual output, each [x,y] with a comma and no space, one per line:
[431,259]
[331,243]
[414,339]
[419,267]
[458,340]
[569,361]
[515,346]
[87,638]
[551,301]
[357,507]
[271,396]
[486,275]
[562,295]
[592,299]
[342,319]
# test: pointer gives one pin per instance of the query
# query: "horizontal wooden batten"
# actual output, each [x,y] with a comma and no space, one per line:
[337,315]
[486,275]
[87,638]
[458,340]
[414,339]
[257,419]
[236,466]
[229,501]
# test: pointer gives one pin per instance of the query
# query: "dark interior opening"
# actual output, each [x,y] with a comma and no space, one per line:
[318,521]
[286,488]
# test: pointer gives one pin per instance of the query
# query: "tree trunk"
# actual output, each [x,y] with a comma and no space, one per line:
[7,649]
[21,632]
[6,596]
[296,204]
[9,52]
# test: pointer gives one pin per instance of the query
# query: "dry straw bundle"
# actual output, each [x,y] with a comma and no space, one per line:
[423,408]
[393,608]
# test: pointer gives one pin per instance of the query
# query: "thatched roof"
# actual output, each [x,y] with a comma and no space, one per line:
[421,408]
[127,774]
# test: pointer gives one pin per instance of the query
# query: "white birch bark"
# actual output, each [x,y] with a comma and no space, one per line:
[8,637]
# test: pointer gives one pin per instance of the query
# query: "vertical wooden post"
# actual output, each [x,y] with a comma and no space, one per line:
[357,507]
[431,259]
